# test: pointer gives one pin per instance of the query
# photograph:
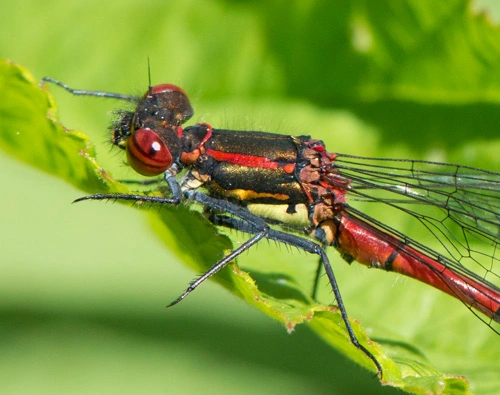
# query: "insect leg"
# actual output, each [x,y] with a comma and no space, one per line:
[169,177]
[313,248]
[259,227]
[81,92]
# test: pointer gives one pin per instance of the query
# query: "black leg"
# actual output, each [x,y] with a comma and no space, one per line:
[313,248]
[317,279]
[247,222]
[259,227]
[81,92]
[222,220]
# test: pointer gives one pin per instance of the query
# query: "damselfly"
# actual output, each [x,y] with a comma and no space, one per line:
[256,182]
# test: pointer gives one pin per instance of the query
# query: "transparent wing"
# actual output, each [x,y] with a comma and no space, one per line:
[458,205]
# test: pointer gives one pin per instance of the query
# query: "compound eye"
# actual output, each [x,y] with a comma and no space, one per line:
[162,88]
[147,153]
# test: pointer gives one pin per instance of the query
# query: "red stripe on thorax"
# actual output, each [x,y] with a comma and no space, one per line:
[244,160]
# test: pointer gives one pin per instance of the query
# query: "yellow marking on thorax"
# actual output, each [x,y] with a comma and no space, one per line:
[278,212]
[248,194]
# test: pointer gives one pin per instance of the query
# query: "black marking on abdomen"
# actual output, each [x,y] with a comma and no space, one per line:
[387,265]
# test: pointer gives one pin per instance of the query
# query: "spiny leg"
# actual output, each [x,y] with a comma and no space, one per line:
[246,222]
[313,248]
[259,227]
[219,220]
[221,264]
[83,92]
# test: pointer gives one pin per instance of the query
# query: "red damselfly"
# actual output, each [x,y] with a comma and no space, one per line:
[256,182]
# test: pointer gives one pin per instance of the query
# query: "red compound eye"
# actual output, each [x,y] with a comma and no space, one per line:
[147,153]
[162,88]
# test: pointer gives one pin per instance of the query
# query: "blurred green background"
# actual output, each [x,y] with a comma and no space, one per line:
[83,287]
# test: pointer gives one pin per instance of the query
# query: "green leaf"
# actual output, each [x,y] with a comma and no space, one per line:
[413,79]
[31,132]
[38,139]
